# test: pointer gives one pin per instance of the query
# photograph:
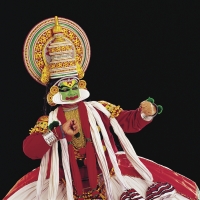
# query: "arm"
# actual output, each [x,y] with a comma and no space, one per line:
[40,139]
[131,121]
[134,120]
[34,146]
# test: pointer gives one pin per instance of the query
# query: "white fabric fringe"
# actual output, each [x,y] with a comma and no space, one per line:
[108,145]
[126,145]
[54,173]
[42,174]
[52,190]
[100,153]
[28,192]
[66,167]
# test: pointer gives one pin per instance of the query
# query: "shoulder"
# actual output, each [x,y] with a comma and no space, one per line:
[113,109]
[41,125]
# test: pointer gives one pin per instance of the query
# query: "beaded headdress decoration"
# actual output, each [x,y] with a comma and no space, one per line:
[56,48]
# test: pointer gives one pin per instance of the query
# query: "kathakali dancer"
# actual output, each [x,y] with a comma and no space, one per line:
[79,158]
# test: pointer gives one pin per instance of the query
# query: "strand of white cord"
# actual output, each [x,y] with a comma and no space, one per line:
[66,167]
[54,173]
[43,166]
[109,148]
[100,153]
[126,145]
[42,175]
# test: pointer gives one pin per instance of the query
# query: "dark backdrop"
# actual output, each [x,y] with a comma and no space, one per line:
[139,49]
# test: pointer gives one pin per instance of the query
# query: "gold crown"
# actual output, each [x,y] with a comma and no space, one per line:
[57,48]
[57,28]
[60,49]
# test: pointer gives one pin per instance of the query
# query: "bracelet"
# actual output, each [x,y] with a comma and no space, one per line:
[147,117]
[63,134]
[49,138]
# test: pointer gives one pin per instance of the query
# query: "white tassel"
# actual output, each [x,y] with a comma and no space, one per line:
[100,153]
[130,152]
[109,148]
[66,167]
[42,175]
[54,174]
[126,145]
[43,167]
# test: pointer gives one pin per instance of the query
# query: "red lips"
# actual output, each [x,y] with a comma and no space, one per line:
[71,98]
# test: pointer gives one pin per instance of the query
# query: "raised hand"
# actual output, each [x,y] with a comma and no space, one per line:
[147,108]
[70,127]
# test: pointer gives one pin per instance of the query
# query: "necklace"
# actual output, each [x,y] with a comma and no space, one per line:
[77,142]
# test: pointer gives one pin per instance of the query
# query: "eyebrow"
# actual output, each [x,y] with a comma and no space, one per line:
[62,86]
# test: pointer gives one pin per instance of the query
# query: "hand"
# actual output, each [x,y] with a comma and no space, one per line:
[147,108]
[70,127]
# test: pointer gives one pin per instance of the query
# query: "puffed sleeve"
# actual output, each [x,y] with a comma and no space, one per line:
[34,145]
[131,121]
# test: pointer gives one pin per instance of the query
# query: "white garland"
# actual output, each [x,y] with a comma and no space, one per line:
[100,153]
[94,119]
[66,167]
[126,145]
[108,145]
[42,174]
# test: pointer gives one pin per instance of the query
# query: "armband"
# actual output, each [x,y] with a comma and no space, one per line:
[41,125]
[113,109]
[49,137]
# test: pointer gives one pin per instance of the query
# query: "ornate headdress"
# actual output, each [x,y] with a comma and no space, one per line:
[56,49]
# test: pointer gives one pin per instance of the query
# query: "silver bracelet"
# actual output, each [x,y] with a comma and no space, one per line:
[146,118]
[49,138]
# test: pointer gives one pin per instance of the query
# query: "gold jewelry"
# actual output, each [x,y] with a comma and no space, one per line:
[54,90]
[80,141]
[41,125]
[82,84]
[50,99]
[113,109]
[45,75]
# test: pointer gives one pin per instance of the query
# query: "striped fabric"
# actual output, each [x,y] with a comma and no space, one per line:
[160,191]
[131,195]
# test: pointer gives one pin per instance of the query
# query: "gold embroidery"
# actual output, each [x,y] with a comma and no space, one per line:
[87,194]
[113,109]
[41,125]
[77,142]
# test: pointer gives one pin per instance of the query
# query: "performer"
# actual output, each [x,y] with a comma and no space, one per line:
[89,166]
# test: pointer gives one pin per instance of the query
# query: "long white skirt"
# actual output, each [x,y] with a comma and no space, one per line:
[28,192]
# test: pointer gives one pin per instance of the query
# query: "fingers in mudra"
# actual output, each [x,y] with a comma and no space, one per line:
[147,108]
[70,127]
[74,125]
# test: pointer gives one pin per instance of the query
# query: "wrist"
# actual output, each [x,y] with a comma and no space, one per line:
[50,138]
[62,131]
[58,132]
[147,117]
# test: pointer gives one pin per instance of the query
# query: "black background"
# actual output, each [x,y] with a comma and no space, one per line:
[139,49]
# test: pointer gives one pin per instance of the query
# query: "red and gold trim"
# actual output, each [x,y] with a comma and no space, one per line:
[113,109]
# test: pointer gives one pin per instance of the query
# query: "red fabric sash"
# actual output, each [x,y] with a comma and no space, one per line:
[90,151]
[74,167]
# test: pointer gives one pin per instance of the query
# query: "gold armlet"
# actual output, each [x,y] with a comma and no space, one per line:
[41,125]
[113,109]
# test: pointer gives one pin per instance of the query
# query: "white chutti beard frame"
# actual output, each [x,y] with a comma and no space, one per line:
[84,94]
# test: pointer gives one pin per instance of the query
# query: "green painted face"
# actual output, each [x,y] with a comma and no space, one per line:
[69,91]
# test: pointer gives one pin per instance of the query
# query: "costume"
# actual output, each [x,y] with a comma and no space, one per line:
[90,166]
